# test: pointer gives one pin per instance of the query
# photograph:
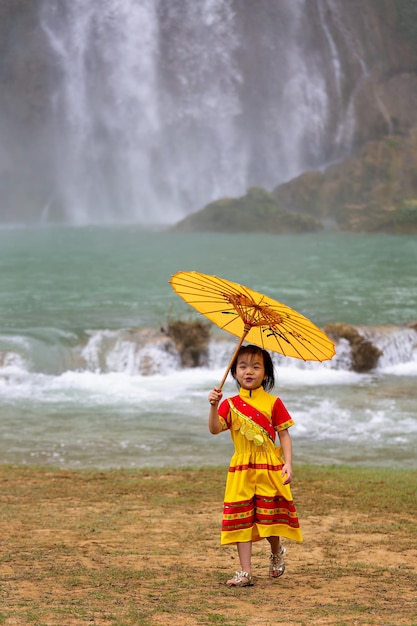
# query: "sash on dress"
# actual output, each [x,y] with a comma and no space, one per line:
[253,424]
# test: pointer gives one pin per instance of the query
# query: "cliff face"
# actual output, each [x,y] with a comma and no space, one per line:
[381,65]
[152,112]
[374,190]
[374,187]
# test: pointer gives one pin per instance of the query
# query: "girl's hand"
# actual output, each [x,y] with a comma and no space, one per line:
[215,396]
[287,471]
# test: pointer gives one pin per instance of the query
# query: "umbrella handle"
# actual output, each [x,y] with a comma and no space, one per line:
[231,361]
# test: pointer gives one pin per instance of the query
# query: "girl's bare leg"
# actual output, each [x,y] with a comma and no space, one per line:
[277,562]
[275,543]
[244,550]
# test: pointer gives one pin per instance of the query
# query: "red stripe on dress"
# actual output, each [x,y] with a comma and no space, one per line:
[232,524]
[263,510]
[232,510]
[242,515]
[281,520]
[237,524]
[272,502]
[256,466]
[276,510]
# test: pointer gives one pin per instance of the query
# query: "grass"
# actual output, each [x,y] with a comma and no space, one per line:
[124,548]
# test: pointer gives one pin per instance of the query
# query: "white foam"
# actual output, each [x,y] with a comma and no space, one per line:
[401,369]
[316,376]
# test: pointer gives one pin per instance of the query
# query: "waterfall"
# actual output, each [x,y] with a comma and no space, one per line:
[106,106]
[159,107]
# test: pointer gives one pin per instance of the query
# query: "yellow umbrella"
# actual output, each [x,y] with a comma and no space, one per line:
[253,316]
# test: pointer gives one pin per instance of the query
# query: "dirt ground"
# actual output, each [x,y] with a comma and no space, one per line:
[143,548]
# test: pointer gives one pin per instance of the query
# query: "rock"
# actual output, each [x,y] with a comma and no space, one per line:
[191,340]
[364,354]
[374,190]
[257,211]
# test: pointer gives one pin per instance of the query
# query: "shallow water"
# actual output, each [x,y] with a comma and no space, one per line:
[79,388]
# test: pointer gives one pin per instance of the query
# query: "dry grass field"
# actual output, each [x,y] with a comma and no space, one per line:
[141,548]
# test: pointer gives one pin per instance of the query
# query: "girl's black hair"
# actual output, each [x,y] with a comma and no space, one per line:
[269,381]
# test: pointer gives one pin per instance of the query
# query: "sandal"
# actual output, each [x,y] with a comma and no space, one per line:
[240,579]
[277,564]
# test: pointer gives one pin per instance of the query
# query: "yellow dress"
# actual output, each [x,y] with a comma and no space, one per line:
[256,504]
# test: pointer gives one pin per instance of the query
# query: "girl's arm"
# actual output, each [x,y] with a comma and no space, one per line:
[286,445]
[214,424]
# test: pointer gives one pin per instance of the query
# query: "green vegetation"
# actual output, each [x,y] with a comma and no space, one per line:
[256,211]
[141,548]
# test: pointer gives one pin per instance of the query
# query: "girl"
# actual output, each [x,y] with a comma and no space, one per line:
[258,503]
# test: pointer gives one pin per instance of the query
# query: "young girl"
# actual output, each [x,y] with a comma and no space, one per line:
[258,503]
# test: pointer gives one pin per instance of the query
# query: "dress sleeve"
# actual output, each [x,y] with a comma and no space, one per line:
[225,415]
[281,419]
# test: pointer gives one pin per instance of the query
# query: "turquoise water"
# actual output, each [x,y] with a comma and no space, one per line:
[80,386]
[109,278]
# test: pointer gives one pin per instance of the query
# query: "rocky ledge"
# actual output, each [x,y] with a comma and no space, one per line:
[372,191]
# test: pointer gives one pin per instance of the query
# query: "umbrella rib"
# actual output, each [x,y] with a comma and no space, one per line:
[207,279]
[305,343]
[294,347]
[313,331]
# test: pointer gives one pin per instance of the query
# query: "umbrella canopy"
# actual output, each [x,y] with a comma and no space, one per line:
[253,316]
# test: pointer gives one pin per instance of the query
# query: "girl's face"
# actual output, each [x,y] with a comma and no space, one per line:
[250,371]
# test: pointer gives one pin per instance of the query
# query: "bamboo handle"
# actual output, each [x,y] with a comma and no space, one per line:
[242,339]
